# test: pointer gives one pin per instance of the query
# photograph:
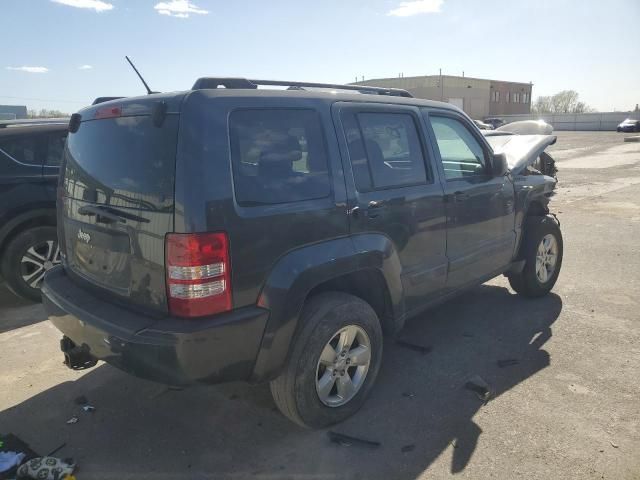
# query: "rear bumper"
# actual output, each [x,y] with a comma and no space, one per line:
[167,350]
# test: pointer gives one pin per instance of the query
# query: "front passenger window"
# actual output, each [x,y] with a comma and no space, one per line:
[462,155]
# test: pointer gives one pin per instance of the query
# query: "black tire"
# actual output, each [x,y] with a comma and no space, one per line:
[294,391]
[526,282]
[12,267]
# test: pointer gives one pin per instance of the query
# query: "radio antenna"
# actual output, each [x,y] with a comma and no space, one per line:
[149,92]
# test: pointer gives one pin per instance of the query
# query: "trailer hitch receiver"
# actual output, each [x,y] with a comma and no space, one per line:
[76,357]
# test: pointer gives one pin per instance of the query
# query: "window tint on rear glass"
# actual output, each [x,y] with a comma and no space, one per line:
[22,148]
[123,162]
[384,149]
[278,156]
[462,155]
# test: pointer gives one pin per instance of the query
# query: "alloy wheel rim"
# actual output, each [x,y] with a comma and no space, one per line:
[37,260]
[343,366]
[546,258]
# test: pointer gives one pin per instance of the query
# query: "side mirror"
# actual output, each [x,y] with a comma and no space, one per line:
[499,165]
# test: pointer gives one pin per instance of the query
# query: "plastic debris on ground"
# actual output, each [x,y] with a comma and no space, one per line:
[423,349]
[72,420]
[348,441]
[46,468]
[507,362]
[13,452]
[481,388]
[9,460]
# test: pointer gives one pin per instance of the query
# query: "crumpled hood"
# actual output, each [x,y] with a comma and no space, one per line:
[520,150]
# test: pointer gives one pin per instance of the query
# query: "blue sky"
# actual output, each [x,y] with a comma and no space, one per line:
[591,46]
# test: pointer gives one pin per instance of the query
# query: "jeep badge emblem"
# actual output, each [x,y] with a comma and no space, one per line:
[85,237]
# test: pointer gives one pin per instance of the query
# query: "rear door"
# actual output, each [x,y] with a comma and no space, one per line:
[117,203]
[393,191]
[479,206]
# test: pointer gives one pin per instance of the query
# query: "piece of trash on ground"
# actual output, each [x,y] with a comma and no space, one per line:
[507,362]
[72,420]
[348,441]
[614,445]
[414,346]
[89,408]
[408,448]
[9,460]
[480,387]
[168,388]
[46,468]
[57,449]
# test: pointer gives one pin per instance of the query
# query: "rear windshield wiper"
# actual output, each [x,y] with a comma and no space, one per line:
[111,214]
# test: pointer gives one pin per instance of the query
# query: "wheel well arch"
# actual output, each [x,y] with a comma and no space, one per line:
[536,209]
[20,223]
[367,284]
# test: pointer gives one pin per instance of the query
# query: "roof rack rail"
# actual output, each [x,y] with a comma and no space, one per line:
[244,83]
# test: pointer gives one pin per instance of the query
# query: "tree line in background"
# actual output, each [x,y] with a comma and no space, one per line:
[566,101]
[44,113]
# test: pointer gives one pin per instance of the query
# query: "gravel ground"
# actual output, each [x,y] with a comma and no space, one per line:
[568,409]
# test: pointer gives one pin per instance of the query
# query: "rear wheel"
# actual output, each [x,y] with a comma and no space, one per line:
[542,251]
[334,360]
[27,258]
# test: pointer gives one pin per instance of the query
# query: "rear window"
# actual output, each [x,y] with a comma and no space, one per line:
[278,156]
[124,161]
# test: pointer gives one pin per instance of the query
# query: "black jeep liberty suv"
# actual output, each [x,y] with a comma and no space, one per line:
[258,234]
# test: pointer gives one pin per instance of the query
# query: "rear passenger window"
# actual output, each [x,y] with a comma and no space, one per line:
[22,148]
[385,150]
[278,156]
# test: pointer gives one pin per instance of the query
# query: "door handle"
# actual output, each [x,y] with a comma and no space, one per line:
[460,196]
[373,208]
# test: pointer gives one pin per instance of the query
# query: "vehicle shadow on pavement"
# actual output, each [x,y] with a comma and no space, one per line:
[418,411]
[16,312]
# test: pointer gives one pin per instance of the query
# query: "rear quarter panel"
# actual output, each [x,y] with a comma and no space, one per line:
[259,235]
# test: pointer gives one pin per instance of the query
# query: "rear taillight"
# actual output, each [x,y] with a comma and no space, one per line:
[198,274]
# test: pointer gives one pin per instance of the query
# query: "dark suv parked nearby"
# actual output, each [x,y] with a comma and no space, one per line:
[274,235]
[30,156]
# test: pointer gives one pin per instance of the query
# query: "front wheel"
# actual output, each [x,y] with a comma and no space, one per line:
[542,250]
[334,361]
